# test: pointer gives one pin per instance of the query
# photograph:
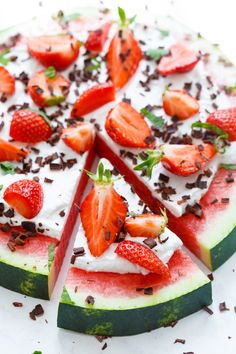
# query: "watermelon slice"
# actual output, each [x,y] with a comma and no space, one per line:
[98,301]
[32,269]
[211,238]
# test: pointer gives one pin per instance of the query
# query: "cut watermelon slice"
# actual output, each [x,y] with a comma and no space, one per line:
[213,237]
[97,300]
[32,269]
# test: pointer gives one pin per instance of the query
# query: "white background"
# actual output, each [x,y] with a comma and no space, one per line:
[204,334]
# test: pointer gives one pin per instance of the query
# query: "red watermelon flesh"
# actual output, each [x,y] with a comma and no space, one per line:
[114,284]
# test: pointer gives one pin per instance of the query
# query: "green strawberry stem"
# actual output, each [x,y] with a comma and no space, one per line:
[103,176]
[124,21]
[153,158]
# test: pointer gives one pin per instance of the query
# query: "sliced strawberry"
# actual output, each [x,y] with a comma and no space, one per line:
[146,225]
[29,127]
[143,256]
[127,127]
[180,60]
[7,82]
[46,91]
[59,51]
[93,98]
[96,39]
[180,104]
[182,160]
[26,197]
[102,213]
[10,152]
[124,53]
[79,138]
[225,119]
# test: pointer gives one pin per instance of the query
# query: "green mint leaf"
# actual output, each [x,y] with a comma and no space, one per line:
[157,121]
[50,72]
[1,187]
[132,19]
[37,352]
[7,167]
[130,213]
[3,59]
[229,166]
[157,54]
[164,33]
[122,16]
[95,65]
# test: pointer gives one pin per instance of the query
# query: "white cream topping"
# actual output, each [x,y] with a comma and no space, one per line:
[109,261]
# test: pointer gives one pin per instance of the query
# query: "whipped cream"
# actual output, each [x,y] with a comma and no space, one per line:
[109,261]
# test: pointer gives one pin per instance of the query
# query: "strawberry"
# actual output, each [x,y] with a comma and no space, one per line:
[79,138]
[225,119]
[102,213]
[25,196]
[180,60]
[143,256]
[96,39]
[180,104]
[29,127]
[48,91]
[59,51]
[93,98]
[7,82]
[127,127]
[11,152]
[146,225]
[124,54]
[182,160]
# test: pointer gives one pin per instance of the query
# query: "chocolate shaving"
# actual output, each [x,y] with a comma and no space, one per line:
[179,340]
[37,311]
[150,242]
[195,209]
[223,307]
[208,310]
[17,304]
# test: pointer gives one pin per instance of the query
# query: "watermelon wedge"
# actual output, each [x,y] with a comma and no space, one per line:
[211,238]
[100,293]
[32,269]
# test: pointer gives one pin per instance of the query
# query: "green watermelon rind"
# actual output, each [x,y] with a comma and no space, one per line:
[123,322]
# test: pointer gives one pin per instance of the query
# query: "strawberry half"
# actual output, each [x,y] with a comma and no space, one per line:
[26,197]
[182,160]
[59,51]
[46,91]
[124,54]
[29,127]
[7,82]
[96,39]
[92,99]
[143,256]
[102,213]
[180,60]
[11,152]
[79,138]
[146,225]
[180,104]
[127,127]
[225,119]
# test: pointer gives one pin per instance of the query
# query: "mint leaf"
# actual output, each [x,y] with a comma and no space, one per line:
[1,187]
[3,60]
[95,65]
[158,53]
[229,166]
[157,121]
[50,72]
[7,167]
[37,352]
[164,33]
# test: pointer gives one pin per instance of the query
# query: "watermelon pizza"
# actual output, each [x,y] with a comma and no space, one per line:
[157,101]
